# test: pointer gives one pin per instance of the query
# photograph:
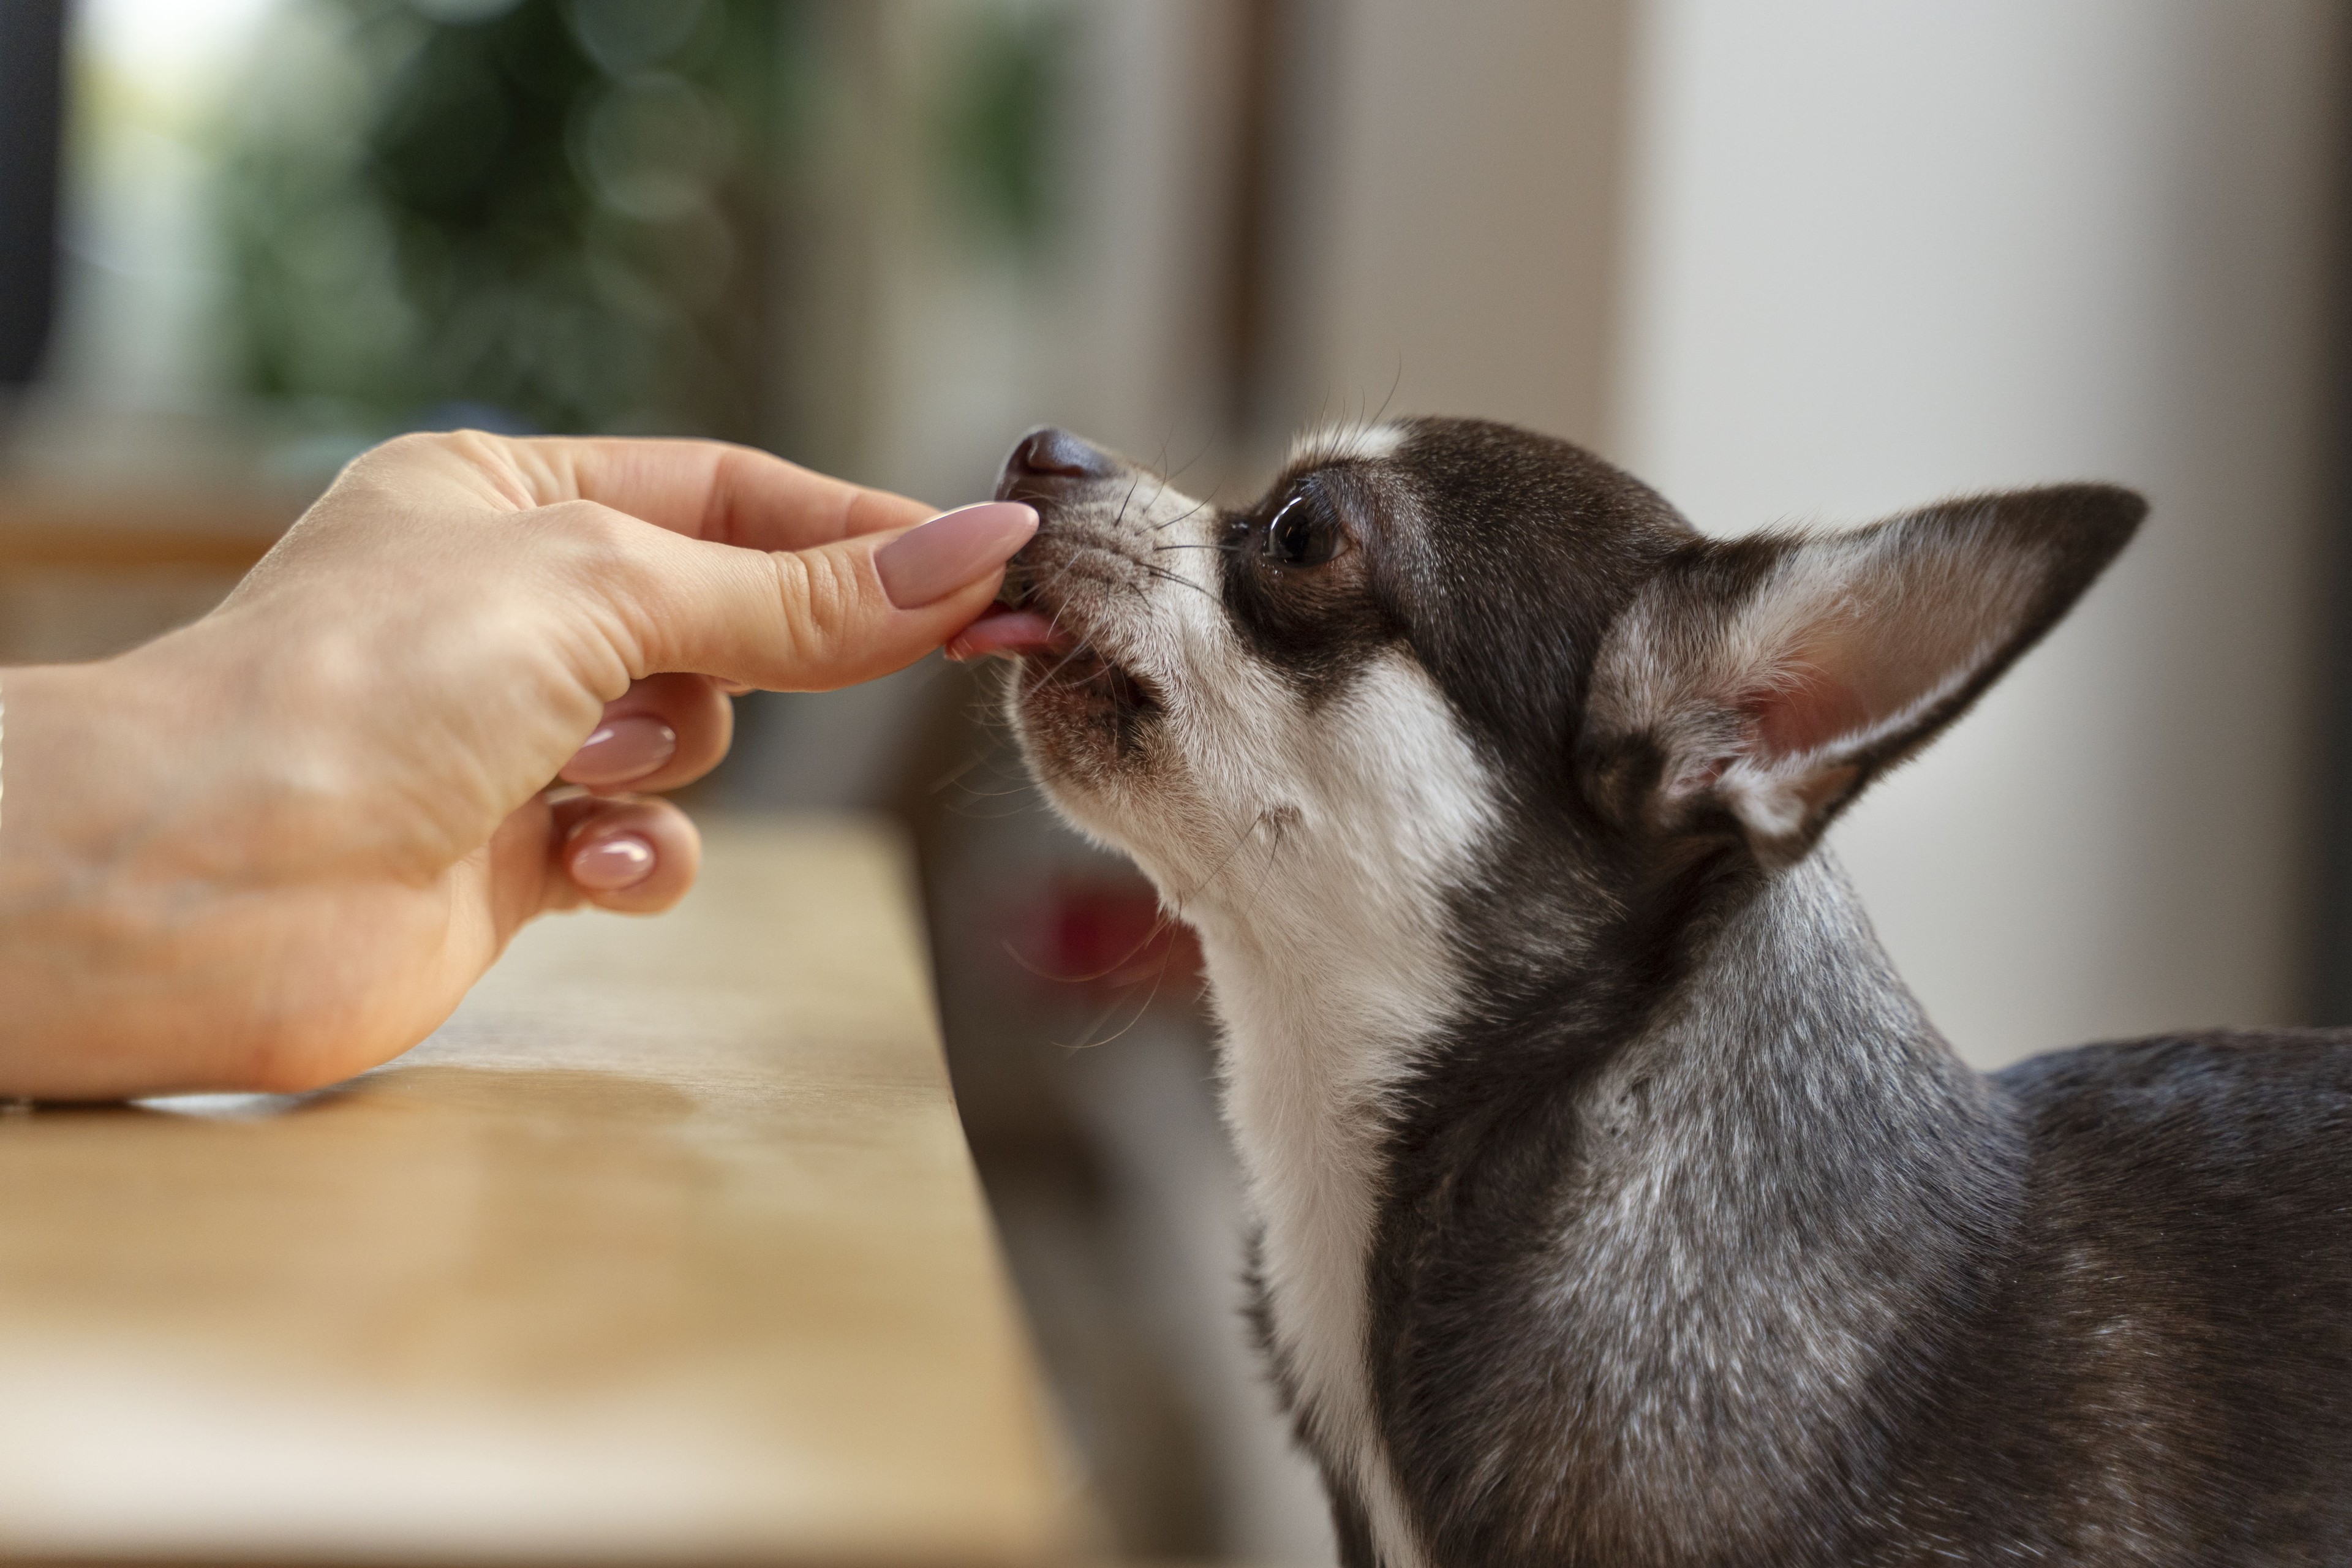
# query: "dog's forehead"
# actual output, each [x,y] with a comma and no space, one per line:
[1331,444]
[1493,476]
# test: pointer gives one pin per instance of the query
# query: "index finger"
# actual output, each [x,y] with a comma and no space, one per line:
[707,490]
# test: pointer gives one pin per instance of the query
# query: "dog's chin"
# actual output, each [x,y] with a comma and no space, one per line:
[1084,714]
[1078,707]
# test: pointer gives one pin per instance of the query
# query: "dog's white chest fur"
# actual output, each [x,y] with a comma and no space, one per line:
[1330,966]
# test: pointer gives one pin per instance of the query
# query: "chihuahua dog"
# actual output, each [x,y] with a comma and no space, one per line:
[1615,1204]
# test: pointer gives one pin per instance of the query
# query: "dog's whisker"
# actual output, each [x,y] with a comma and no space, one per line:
[1194,510]
[1180,581]
[1395,381]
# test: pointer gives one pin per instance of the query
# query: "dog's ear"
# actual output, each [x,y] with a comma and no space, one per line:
[1760,683]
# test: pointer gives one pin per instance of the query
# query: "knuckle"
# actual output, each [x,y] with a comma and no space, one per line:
[412,444]
[607,572]
[592,541]
[419,447]
[589,522]
[796,591]
[828,596]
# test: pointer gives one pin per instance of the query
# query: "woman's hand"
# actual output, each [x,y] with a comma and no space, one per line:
[276,847]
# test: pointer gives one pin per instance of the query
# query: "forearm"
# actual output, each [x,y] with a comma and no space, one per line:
[59,853]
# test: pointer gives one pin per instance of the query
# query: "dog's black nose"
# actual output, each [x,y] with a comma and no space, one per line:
[1048,453]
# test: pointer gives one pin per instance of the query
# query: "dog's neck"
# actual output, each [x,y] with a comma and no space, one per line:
[1327,1001]
[1780,1180]
[1705,1219]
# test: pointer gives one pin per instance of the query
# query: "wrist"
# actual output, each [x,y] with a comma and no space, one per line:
[82,916]
[58,811]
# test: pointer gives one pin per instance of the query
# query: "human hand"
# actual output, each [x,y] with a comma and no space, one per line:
[276,847]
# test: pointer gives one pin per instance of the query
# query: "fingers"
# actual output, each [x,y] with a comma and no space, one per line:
[636,856]
[926,564]
[667,730]
[669,556]
[704,490]
[719,560]
[560,851]
[814,619]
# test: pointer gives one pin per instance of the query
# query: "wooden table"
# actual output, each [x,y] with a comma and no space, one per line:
[666,1249]
[114,530]
[88,572]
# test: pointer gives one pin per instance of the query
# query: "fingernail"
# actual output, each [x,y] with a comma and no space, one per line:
[619,751]
[952,550]
[608,865]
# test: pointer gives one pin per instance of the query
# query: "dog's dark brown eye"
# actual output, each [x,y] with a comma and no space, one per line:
[1302,532]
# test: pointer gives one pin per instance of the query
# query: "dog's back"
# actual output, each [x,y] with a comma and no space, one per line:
[2164,1374]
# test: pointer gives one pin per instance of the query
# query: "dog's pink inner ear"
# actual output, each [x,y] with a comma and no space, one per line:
[1887,647]
[1811,705]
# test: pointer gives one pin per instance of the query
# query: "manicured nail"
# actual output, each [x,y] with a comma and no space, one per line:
[619,751]
[955,548]
[608,865]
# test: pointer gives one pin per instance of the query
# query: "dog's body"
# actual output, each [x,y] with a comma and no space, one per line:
[1617,1205]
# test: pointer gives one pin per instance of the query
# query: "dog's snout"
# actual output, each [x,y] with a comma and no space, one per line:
[1048,453]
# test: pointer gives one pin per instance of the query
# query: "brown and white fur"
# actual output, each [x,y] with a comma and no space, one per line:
[1615,1204]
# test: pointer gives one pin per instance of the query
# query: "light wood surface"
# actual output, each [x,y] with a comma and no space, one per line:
[668,1249]
[116,530]
[86,572]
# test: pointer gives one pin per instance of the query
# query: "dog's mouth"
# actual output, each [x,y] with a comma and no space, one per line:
[1052,649]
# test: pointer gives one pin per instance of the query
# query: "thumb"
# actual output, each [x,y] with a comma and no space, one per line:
[836,614]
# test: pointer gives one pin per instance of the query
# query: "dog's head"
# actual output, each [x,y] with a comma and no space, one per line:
[1439,648]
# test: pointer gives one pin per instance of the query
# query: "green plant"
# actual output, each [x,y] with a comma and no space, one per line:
[552,214]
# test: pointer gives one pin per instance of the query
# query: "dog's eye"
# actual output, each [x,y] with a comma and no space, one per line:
[1302,532]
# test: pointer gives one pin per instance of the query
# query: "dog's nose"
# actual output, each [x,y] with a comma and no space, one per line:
[1047,453]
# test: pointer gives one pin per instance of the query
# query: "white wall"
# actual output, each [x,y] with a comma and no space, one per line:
[1882,253]
[1465,197]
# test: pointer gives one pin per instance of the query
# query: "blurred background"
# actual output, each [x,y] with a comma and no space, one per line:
[1796,259]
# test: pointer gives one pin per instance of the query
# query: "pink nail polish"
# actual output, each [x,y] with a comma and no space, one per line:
[608,865]
[928,564]
[620,751]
